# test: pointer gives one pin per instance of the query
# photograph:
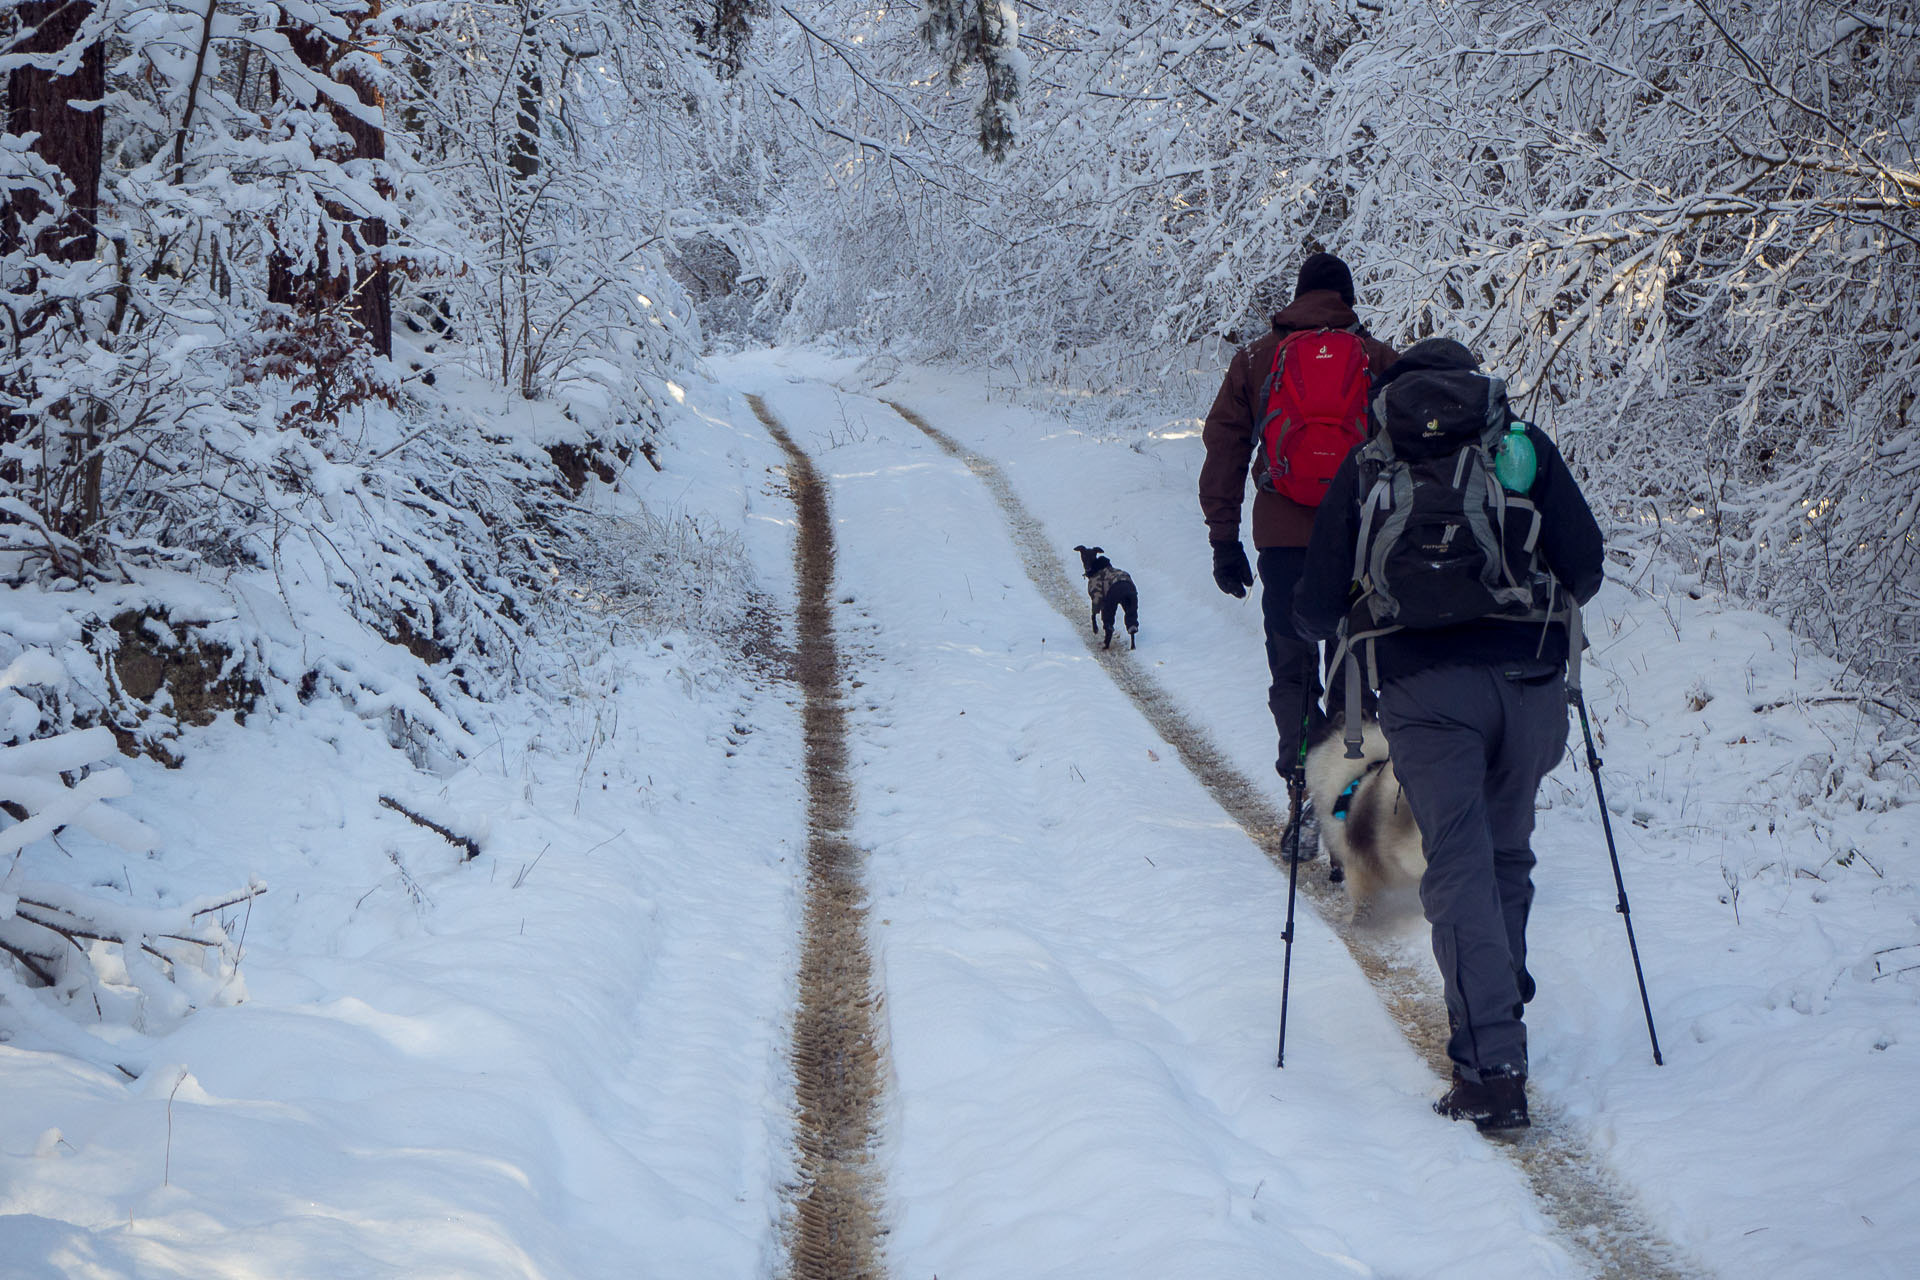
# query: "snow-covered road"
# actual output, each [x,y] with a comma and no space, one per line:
[570,1056]
[1079,949]
[1080,952]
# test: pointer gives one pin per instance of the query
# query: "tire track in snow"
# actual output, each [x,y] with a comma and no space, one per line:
[835,1060]
[1567,1178]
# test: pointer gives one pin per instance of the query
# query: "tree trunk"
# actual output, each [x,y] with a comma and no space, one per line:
[40,102]
[366,289]
[523,152]
[371,303]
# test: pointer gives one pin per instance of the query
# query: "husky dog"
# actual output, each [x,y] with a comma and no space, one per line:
[1365,823]
[1110,589]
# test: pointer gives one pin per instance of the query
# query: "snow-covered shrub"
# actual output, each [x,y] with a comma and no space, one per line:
[202,385]
[1690,237]
[1166,170]
[65,952]
[668,573]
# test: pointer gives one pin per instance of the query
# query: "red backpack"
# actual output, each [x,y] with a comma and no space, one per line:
[1316,412]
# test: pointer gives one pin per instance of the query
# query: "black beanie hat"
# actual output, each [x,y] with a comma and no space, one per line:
[1438,353]
[1324,271]
[1430,355]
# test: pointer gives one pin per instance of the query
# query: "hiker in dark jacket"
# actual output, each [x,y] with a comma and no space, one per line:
[1322,299]
[1475,715]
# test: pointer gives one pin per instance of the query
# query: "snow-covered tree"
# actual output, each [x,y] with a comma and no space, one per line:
[1163,180]
[197,368]
[1690,233]
[1686,231]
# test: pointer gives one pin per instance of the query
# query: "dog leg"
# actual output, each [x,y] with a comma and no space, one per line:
[1363,885]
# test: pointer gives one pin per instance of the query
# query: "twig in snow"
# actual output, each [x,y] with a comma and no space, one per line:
[604,843]
[453,838]
[527,870]
[32,962]
[166,1171]
[593,745]
[407,882]
[253,891]
[241,949]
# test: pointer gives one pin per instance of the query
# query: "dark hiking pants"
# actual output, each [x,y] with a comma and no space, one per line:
[1470,746]
[1294,664]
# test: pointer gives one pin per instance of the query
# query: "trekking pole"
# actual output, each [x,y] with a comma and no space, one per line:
[1296,789]
[1606,824]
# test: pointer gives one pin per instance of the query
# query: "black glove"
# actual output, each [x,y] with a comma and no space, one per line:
[1231,572]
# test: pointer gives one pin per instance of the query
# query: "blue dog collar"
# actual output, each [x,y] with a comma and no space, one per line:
[1345,802]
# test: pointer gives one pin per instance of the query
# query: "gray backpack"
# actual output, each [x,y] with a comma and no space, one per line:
[1441,540]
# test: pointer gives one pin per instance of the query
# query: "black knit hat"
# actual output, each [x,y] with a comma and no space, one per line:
[1324,271]
[1439,353]
[1430,355]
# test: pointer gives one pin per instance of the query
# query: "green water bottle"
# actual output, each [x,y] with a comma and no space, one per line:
[1515,464]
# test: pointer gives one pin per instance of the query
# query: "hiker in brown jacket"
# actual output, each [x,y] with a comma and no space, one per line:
[1322,299]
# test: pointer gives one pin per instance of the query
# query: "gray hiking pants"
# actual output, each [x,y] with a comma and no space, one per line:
[1470,746]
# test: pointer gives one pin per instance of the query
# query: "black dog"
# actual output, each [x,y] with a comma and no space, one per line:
[1110,589]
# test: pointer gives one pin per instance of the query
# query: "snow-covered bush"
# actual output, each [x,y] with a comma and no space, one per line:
[659,573]
[200,373]
[1163,172]
[1688,234]
[318,322]
[1691,237]
[65,951]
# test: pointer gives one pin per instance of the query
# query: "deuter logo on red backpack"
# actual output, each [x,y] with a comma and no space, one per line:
[1316,412]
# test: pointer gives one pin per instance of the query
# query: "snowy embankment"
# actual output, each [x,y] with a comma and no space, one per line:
[566,1057]
[563,1058]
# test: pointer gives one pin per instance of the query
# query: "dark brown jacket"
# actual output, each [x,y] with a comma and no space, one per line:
[1277,521]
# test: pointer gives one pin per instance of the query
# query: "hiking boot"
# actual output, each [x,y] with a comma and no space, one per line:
[1497,1101]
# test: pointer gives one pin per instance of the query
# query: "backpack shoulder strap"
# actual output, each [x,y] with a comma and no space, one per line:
[1287,339]
[1273,374]
[1369,462]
